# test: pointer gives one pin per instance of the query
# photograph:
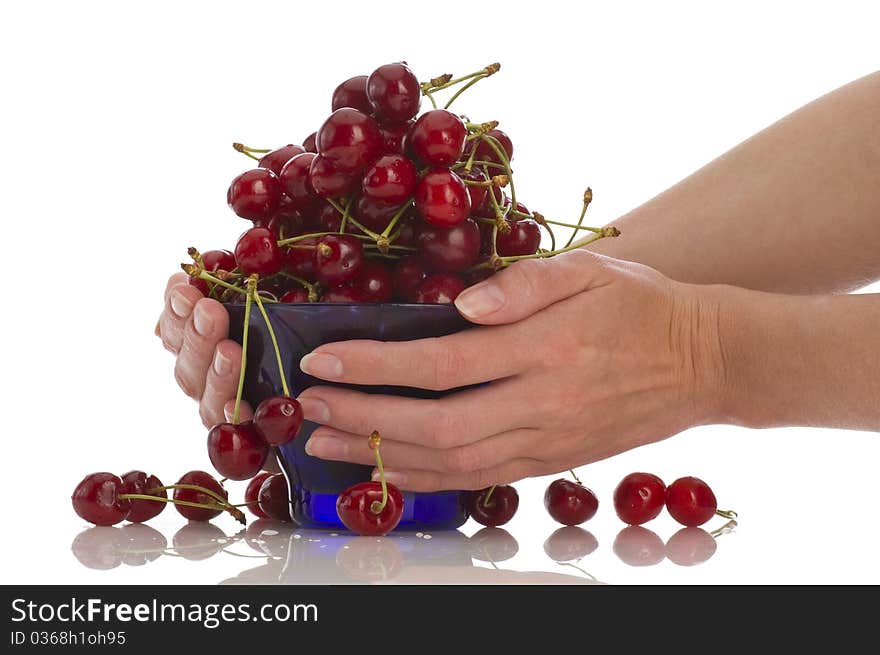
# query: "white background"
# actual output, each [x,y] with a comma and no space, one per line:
[117,123]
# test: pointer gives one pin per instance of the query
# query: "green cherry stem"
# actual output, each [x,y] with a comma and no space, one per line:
[274,344]
[470,83]
[588,198]
[341,210]
[502,155]
[394,219]
[376,506]
[576,478]
[194,271]
[489,495]
[252,284]
[311,288]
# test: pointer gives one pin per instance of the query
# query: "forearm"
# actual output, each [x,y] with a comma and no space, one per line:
[794,209]
[799,360]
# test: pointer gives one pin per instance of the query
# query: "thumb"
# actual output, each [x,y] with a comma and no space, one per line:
[530,285]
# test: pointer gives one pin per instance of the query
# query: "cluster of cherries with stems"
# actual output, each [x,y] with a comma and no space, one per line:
[638,498]
[381,204]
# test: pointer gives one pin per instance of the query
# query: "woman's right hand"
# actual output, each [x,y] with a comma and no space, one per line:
[196,330]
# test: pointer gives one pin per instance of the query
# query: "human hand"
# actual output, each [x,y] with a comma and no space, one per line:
[195,329]
[588,357]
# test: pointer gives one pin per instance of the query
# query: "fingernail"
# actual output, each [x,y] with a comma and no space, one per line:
[391,477]
[480,300]
[222,364]
[203,322]
[326,447]
[315,409]
[180,304]
[321,365]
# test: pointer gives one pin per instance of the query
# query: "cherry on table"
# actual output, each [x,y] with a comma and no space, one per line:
[355,509]
[338,257]
[96,499]
[350,140]
[500,508]
[138,482]
[690,546]
[251,495]
[255,194]
[276,159]
[690,501]
[438,138]
[201,479]
[257,251]
[237,451]
[394,93]
[274,498]
[449,250]
[352,93]
[442,198]
[439,289]
[639,498]
[390,179]
[569,543]
[639,546]
[278,419]
[570,503]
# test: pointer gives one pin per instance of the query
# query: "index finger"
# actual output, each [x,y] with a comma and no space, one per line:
[438,363]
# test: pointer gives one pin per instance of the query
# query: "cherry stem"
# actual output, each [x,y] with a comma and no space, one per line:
[394,219]
[488,496]
[448,81]
[172,501]
[473,81]
[376,506]
[576,478]
[479,162]
[311,288]
[431,98]
[588,198]
[274,344]
[194,487]
[727,514]
[345,215]
[252,284]
[502,155]
[195,271]
[365,230]
[246,149]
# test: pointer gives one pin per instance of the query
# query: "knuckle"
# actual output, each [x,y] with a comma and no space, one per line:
[462,460]
[527,275]
[447,366]
[445,428]
[185,382]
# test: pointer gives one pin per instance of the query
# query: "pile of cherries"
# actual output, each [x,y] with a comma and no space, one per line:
[379,204]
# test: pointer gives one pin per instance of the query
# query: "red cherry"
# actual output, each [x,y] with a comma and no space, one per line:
[638,546]
[96,499]
[501,507]
[438,138]
[690,546]
[391,179]
[253,491]
[486,152]
[328,182]
[352,93]
[287,222]
[309,142]
[255,194]
[449,250]
[394,93]
[350,140]
[294,178]
[278,419]
[274,498]
[213,261]
[295,295]
[355,509]
[276,159]
[374,214]
[570,503]
[439,289]
[639,498]
[492,545]
[138,482]
[344,294]
[477,193]
[407,277]
[570,543]
[408,227]
[486,209]
[393,137]
[201,479]
[524,238]
[690,501]
[442,198]
[338,258]
[257,251]
[238,452]
[300,261]
[374,281]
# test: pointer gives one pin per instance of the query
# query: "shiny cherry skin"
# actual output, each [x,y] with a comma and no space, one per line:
[486,152]
[639,498]
[350,140]
[309,143]
[201,479]
[352,93]
[690,546]
[328,182]
[373,279]
[442,198]
[438,138]
[278,419]
[393,137]
[238,452]
[213,261]
[276,159]
[408,227]
[257,251]
[255,194]
[295,295]
[138,482]
[477,193]
[274,498]
[252,492]
[294,178]
[391,179]
[486,209]
[570,543]
[394,93]
[338,257]
[639,546]
[96,499]
[288,222]
[439,289]
[408,274]
[374,214]
[354,507]
[449,250]
[570,503]
[524,238]
[344,294]
[501,507]
[690,501]
[300,261]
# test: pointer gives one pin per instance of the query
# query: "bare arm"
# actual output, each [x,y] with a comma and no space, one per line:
[794,209]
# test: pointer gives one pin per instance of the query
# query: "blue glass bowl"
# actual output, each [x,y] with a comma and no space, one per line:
[301,327]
